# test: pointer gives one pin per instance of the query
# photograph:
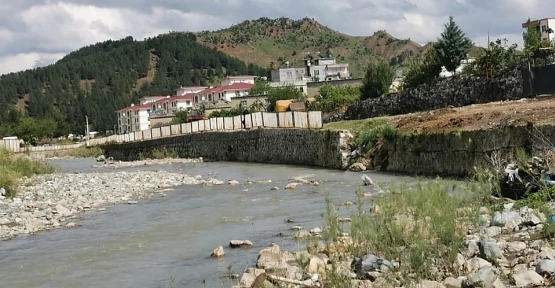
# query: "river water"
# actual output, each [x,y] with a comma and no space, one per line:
[167,241]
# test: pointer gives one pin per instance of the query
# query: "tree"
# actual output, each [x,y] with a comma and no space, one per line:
[336,97]
[497,59]
[423,71]
[534,45]
[377,80]
[180,117]
[453,46]
[288,92]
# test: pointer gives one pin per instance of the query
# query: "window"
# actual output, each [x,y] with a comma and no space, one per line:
[544,28]
[267,101]
[289,75]
[301,89]
[243,103]
[316,72]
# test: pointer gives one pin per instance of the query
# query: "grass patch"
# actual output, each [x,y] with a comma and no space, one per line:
[13,169]
[368,138]
[356,126]
[81,152]
[421,226]
[163,154]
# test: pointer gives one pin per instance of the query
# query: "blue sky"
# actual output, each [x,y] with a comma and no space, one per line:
[39,32]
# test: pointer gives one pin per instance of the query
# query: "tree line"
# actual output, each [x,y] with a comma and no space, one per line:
[99,79]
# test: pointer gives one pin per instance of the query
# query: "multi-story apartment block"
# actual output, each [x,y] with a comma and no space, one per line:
[326,69]
[544,26]
[237,79]
[224,93]
[134,118]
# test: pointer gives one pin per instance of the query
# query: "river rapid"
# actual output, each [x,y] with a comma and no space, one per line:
[167,241]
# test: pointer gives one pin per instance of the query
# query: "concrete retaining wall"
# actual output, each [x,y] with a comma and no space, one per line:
[281,146]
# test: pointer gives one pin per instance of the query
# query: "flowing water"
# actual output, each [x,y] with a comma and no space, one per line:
[166,242]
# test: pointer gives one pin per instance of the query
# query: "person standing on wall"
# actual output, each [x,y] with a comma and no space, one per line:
[243,122]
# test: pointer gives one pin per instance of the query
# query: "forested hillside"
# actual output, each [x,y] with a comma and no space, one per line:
[99,79]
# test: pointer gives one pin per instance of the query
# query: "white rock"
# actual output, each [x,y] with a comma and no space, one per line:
[527,278]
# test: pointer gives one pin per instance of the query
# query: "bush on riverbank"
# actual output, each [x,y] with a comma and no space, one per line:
[422,227]
[368,138]
[81,152]
[12,169]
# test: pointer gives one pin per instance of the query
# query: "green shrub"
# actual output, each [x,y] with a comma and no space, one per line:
[12,169]
[85,152]
[368,138]
[163,154]
[422,226]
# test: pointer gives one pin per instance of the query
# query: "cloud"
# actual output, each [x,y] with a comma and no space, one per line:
[38,32]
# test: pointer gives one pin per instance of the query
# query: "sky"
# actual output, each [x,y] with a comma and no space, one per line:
[39,32]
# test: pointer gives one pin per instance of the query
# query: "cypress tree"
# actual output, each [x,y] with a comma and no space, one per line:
[453,46]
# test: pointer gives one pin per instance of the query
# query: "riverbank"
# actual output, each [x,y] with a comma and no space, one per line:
[450,141]
[417,236]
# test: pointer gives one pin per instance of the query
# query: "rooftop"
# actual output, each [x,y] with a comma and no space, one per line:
[135,107]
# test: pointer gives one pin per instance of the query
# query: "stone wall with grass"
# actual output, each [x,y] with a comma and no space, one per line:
[321,148]
[452,91]
[456,153]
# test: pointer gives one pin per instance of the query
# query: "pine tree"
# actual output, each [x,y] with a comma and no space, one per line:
[453,46]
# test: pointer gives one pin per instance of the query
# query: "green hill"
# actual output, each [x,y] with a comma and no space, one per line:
[99,79]
[271,42]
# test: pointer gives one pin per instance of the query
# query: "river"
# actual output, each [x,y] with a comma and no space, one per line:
[167,241]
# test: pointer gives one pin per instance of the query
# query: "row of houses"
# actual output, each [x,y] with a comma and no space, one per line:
[232,92]
[152,110]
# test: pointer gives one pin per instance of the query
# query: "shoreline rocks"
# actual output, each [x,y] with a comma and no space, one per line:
[53,201]
[166,161]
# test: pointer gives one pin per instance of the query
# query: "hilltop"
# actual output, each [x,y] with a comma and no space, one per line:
[99,79]
[270,42]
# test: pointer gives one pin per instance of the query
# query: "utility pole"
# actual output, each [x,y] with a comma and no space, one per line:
[87,128]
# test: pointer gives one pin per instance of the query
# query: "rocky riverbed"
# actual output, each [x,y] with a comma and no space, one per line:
[507,249]
[107,163]
[55,201]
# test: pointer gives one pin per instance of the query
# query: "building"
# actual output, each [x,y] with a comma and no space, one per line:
[544,27]
[289,74]
[326,69]
[237,79]
[248,101]
[169,105]
[320,69]
[223,93]
[150,99]
[299,84]
[188,90]
[134,118]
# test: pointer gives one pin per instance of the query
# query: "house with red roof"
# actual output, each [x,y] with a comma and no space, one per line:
[223,93]
[134,118]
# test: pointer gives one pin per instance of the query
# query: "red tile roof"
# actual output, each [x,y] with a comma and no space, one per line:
[238,86]
[241,76]
[136,107]
[210,90]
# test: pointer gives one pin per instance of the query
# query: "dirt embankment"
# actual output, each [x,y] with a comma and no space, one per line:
[476,117]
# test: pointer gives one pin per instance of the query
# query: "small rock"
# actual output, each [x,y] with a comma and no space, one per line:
[132,202]
[62,211]
[218,252]
[430,284]
[545,267]
[370,263]
[527,278]
[101,209]
[507,219]
[491,231]
[316,231]
[484,277]
[274,188]
[367,181]
[297,227]
[101,158]
[357,167]
[451,282]
[476,263]
[292,186]
[316,266]
[515,247]
[489,250]
[233,182]
[302,234]
[240,243]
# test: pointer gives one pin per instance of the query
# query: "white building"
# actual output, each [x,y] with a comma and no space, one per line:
[237,79]
[187,90]
[299,84]
[223,93]
[543,26]
[445,73]
[134,118]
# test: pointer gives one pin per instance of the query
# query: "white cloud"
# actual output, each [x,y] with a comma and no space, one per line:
[41,31]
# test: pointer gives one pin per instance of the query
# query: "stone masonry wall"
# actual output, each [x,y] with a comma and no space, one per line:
[452,91]
[456,154]
[321,148]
